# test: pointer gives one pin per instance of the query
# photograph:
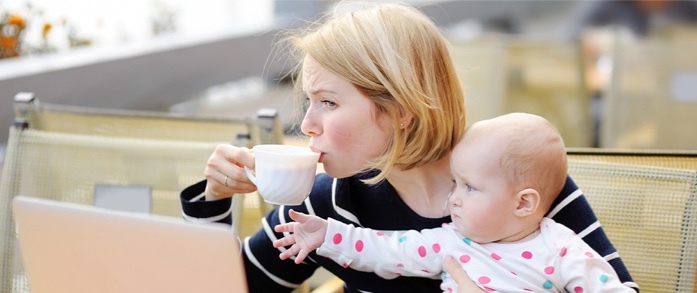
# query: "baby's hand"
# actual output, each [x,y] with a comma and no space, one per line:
[307,235]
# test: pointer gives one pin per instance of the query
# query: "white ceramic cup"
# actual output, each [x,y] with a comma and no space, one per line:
[283,174]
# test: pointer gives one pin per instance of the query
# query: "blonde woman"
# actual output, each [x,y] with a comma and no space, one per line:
[384,109]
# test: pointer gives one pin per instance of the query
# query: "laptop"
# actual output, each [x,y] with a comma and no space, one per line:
[68,247]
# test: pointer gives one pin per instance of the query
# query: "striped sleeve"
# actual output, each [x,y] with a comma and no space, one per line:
[201,211]
[573,210]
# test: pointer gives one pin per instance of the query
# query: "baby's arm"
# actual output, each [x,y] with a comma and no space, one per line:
[387,254]
[403,253]
[582,268]
[307,234]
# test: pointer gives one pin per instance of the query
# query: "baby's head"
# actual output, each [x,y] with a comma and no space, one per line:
[508,171]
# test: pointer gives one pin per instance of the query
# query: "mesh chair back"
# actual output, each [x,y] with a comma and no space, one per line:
[647,203]
[63,152]
[128,123]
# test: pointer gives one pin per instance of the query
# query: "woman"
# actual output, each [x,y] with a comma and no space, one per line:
[384,109]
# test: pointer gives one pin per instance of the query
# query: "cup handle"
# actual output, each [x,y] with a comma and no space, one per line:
[250,175]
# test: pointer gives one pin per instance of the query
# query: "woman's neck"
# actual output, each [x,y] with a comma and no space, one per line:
[425,189]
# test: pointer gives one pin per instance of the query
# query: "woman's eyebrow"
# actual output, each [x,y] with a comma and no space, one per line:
[318,91]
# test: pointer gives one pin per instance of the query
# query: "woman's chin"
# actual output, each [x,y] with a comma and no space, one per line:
[334,172]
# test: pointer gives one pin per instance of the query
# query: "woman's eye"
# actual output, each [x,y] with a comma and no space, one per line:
[328,103]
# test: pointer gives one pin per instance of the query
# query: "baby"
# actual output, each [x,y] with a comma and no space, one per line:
[507,172]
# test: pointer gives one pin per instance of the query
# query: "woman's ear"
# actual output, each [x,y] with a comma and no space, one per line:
[405,119]
[528,202]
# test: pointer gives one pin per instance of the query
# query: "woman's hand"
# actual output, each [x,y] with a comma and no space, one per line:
[307,234]
[225,172]
[455,270]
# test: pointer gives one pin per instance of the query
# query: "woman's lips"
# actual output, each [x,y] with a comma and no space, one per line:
[321,154]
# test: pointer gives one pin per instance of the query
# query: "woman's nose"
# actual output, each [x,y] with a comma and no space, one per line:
[311,125]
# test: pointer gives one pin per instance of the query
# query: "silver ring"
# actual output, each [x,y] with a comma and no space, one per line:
[226,181]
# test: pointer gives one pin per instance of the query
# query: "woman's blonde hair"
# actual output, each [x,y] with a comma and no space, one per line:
[396,56]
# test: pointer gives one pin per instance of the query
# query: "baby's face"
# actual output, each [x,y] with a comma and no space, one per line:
[482,204]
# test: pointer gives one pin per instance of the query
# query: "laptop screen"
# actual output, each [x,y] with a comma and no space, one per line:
[69,247]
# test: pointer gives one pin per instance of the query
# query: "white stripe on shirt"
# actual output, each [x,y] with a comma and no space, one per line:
[565,202]
[612,256]
[253,259]
[589,229]
[308,205]
[342,212]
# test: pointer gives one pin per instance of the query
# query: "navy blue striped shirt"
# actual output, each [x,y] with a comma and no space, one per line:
[377,207]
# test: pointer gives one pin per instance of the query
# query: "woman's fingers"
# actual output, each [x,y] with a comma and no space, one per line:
[225,172]
[454,269]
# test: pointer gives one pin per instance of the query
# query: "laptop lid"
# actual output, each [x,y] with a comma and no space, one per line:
[69,247]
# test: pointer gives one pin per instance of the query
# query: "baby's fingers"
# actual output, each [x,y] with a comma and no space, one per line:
[301,256]
[288,227]
[285,241]
[290,252]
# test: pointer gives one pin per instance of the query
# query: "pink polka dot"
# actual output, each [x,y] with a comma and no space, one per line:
[487,289]
[527,254]
[562,253]
[578,289]
[400,265]
[465,258]
[345,265]
[495,256]
[549,270]
[589,254]
[426,271]
[359,245]
[422,251]
[380,233]
[436,248]
[450,290]
[514,273]
[483,280]
[337,238]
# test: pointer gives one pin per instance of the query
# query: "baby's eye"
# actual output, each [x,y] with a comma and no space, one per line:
[470,187]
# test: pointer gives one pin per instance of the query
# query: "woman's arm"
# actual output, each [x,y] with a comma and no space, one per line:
[198,210]
[265,272]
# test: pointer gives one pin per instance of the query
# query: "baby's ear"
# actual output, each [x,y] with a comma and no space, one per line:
[528,201]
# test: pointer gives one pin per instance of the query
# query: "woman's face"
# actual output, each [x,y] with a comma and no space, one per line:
[342,122]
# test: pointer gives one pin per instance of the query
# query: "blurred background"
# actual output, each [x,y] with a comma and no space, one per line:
[619,74]
[608,74]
